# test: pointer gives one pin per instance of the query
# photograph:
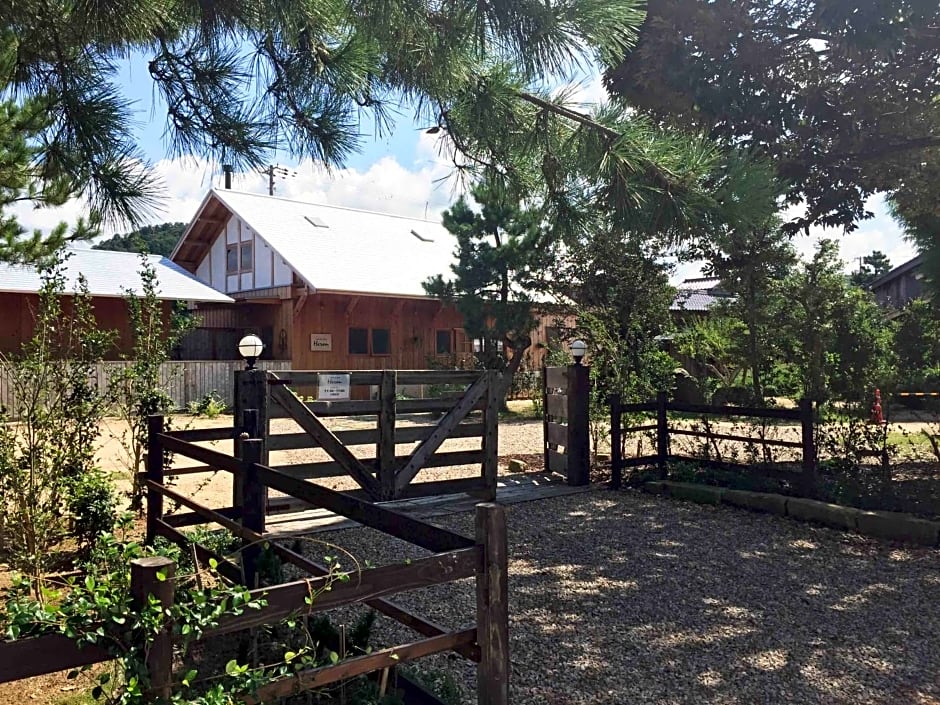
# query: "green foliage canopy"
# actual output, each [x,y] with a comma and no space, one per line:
[842,96]
[154,239]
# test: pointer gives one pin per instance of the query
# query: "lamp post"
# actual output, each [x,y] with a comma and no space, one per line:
[578,348]
[250,347]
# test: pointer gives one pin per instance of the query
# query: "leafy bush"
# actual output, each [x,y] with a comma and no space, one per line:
[210,406]
[92,506]
[49,451]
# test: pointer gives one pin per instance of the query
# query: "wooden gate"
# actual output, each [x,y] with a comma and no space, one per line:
[387,475]
[566,412]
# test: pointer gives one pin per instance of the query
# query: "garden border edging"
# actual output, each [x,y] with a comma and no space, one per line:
[894,526]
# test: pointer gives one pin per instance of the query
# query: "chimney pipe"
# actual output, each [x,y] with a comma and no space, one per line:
[227,170]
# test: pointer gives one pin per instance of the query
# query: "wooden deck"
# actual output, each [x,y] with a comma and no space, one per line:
[510,489]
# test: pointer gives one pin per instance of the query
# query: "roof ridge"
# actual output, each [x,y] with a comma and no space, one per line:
[223,191]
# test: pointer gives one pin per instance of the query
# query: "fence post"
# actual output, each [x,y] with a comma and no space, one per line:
[385,452]
[253,510]
[808,479]
[579,428]
[662,434]
[154,576]
[616,441]
[491,433]
[251,393]
[545,417]
[493,606]
[154,467]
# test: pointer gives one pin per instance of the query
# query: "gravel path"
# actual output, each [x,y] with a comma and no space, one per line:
[627,598]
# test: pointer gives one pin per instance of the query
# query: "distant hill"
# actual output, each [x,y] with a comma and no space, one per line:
[158,239]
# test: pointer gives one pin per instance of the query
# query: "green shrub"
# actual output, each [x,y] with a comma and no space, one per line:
[210,406]
[92,506]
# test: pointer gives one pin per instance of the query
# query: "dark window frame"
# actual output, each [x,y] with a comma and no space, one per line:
[231,250]
[444,334]
[349,340]
[248,246]
[388,341]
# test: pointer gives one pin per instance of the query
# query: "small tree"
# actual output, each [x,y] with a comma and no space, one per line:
[138,389]
[47,453]
[841,341]
[751,263]
[503,250]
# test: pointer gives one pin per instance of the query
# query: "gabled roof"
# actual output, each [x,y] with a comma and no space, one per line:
[112,274]
[698,295]
[329,247]
[898,271]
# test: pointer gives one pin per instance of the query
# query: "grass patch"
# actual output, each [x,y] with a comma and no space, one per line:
[521,410]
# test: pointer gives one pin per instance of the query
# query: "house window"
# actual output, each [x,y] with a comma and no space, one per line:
[239,258]
[358,341]
[360,338]
[445,342]
[381,341]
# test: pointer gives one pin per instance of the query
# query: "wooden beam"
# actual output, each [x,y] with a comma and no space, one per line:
[325,438]
[329,592]
[440,434]
[399,525]
[298,307]
[35,656]
[384,658]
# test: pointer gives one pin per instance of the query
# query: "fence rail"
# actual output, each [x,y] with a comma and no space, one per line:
[454,557]
[664,431]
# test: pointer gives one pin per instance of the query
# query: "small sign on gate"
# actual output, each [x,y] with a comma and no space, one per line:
[331,387]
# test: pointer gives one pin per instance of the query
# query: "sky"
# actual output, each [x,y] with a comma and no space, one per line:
[401,173]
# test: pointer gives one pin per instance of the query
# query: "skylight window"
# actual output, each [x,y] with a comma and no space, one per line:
[315,221]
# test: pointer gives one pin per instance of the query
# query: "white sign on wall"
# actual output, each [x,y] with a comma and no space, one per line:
[332,387]
[321,342]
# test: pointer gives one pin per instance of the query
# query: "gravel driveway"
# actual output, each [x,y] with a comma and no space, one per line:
[626,598]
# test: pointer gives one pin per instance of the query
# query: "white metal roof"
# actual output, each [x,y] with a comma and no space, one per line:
[112,274]
[342,249]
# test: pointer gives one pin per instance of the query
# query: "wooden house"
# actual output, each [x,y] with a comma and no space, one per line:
[110,277]
[325,287]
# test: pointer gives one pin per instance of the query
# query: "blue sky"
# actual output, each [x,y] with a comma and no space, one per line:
[402,172]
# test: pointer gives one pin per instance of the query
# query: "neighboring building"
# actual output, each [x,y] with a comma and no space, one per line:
[901,285]
[698,296]
[110,277]
[325,287]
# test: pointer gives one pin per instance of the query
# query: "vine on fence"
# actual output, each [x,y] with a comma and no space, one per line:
[99,609]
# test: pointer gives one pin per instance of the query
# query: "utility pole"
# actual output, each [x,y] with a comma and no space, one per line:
[273,171]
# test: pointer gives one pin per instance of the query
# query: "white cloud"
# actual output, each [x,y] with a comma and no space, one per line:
[422,189]
[880,232]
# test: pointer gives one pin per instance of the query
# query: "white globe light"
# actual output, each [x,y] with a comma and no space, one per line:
[578,348]
[250,347]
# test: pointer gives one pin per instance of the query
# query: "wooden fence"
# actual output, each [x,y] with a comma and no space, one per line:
[664,431]
[469,410]
[185,381]
[453,557]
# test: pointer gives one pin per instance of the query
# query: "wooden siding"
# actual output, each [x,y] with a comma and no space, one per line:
[412,326]
[19,321]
